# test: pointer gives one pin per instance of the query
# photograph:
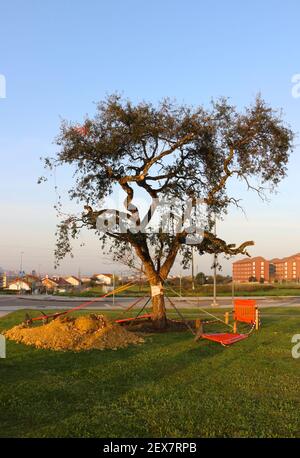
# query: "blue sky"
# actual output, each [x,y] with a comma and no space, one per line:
[59,57]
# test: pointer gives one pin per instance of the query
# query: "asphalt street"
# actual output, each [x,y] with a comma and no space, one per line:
[13,303]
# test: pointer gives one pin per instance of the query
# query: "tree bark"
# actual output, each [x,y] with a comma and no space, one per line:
[156,280]
[159,316]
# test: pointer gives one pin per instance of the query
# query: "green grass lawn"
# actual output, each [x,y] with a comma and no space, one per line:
[201,291]
[168,387]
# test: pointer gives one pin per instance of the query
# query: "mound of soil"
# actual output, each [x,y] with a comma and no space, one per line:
[82,333]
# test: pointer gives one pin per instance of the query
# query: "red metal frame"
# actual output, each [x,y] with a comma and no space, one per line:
[125,320]
[245,311]
[225,338]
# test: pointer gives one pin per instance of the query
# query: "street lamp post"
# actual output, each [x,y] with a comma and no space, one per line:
[21,272]
[180,282]
[193,270]
[21,263]
[114,287]
[232,291]
[214,302]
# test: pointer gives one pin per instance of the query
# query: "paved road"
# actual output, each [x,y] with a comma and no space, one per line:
[13,303]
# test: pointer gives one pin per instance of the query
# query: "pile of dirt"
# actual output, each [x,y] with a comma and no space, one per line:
[83,333]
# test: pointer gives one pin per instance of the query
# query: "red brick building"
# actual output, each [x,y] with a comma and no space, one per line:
[255,269]
[286,269]
[251,269]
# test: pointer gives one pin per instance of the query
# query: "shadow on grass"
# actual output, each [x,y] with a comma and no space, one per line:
[61,384]
[65,393]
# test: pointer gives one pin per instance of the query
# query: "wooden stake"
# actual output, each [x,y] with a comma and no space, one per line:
[256,319]
[227,317]
[199,329]
[235,327]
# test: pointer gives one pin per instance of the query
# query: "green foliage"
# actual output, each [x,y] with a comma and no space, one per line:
[167,150]
[202,279]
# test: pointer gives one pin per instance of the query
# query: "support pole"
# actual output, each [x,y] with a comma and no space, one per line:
[193,270]
[114,289]
[180,281]
[199,330]
[256,319]
[226,317]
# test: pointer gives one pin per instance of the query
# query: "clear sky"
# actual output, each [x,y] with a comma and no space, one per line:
[59,57]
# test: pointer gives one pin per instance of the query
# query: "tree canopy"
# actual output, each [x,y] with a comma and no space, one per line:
[168,151]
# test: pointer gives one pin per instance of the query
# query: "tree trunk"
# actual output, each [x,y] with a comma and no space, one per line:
[155,279]
[159,316]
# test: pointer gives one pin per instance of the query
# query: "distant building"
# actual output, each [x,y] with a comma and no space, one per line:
[254,269]
[56,284]
[3,280]
[286,269]
[32,278]
[251,269]
[74,281]
[63,284]
[27,283]
[103,279]
[50,284]
[19,285]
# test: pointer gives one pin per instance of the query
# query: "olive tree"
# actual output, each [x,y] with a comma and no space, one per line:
[168,152]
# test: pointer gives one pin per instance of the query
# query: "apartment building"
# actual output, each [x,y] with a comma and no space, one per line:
[3,280]
[286,269]
[251,269]
[255,269]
